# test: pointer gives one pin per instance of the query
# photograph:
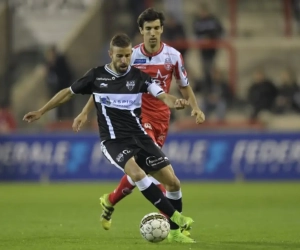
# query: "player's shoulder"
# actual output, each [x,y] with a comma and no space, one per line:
[171,51]
[136,70]
[96,69]
[99,68]
[137,47]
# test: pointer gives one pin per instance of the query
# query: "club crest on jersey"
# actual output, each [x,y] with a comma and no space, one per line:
[168,64]
[130,85]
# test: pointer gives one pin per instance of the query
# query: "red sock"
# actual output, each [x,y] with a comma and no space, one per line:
[123,189]
[162,188]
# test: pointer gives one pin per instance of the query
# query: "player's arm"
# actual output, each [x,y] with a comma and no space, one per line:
[186,90]
[81,86]
[172,101]
[169,100]
[81,119]
[61,97]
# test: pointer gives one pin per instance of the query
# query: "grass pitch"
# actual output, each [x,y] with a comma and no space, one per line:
[227,216]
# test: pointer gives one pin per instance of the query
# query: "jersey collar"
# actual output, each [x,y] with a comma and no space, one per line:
[114,73]
[153,54]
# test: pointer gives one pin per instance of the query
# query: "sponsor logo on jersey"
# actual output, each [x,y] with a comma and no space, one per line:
[130,85]
[153,161]
[147,125]
[103,85]
[141,67]
[139,61]
[105,79]
[168,64]
[105,100]
[161,137]
[120,157]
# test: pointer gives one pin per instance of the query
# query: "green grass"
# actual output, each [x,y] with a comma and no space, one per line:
[227,216]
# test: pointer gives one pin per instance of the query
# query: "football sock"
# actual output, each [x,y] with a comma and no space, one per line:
[175,199]
[161,187]
[124,188]
[155,196]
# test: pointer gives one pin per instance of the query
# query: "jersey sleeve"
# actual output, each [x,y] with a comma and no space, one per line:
[151,87]
[180,72]
[84,84]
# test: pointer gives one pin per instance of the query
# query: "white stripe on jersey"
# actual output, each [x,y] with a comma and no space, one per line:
[108,156]
[109,124]
[119,101]
[138,122]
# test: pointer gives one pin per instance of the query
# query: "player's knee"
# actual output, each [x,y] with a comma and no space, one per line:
[173,184]
[134,172]
[137,176]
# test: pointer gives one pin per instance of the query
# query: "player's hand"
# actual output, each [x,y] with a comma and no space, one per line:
[181,104]
[32,116]
[200,117]
[79,121]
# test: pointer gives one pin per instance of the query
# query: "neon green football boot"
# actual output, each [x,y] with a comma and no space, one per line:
[182,221]
[107,210]
[185,232]
[177,236]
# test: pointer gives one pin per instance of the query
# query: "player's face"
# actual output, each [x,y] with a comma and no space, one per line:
[120,58]
[152,33]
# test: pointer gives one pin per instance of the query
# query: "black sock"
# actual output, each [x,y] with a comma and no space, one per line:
[177,204]
[157,198]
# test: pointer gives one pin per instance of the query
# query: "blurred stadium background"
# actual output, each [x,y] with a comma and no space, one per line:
[246,74]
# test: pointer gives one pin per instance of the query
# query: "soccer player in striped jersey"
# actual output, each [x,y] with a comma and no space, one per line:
[162,63]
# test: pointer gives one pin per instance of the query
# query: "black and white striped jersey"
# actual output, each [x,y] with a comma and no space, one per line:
[118,99]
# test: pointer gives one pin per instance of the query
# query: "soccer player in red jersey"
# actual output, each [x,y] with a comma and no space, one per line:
[161,62]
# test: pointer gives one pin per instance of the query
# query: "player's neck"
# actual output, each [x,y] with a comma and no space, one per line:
[111,66]
[150,50]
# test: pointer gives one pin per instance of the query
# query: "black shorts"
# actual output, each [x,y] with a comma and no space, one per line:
[147,154]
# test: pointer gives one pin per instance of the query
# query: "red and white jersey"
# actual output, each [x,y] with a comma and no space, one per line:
[161,66]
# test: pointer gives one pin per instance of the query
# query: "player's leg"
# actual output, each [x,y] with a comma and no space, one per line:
[152,193]
[153,160]
[157,133]
[107,201]
[167,177]
[121,154]
[162,132]
[124,188]
[126,185]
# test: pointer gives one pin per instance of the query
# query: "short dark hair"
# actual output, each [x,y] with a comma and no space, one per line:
[120,40]
[150,15]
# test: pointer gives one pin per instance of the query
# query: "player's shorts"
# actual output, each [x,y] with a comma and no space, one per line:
[157,131]
[148,156]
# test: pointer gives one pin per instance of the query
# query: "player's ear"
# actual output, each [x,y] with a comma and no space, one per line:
[110,53]
[141,30]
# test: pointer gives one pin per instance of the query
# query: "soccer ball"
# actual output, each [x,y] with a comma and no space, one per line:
[154,227]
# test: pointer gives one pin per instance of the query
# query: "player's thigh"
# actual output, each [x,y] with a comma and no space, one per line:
[153,161]
[118,152]
[133,170]
[167,177]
